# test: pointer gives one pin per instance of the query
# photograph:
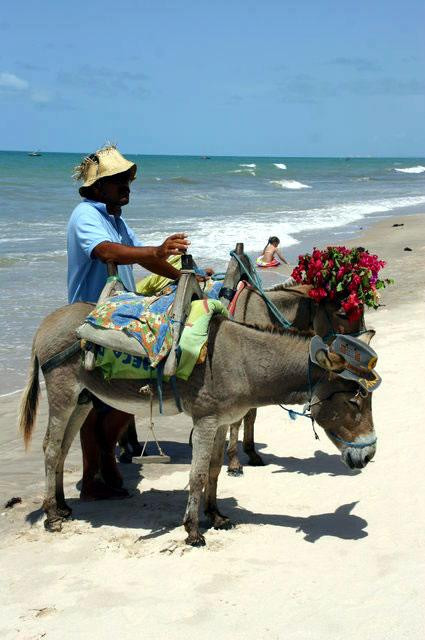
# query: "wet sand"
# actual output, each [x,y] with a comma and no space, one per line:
[319,551]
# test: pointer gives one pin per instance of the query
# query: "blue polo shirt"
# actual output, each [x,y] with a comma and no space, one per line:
[89,225]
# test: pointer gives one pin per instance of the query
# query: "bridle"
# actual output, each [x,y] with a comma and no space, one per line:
[306,413]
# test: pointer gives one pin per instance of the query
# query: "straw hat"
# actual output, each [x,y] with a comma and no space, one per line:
[104,163]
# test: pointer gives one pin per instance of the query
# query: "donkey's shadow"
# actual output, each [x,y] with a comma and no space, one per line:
[161,511]
[319,463]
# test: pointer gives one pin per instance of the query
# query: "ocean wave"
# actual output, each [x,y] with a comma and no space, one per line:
[250,166]
[290,184]
[4,240]
[25,259]
[212,240]
[192,196]
[299,221]
[251,172]
[418,169]
[183,180]
[279,165]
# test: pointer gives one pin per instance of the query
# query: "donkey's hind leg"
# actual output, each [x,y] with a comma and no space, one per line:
[218,521]
[234,468]
[75,422]
[255,460]
[62,403]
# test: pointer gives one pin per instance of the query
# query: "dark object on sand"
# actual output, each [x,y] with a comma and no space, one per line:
[407,249]
[11,503]
[398,224]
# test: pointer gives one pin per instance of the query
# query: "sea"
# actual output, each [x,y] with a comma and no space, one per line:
[218,201]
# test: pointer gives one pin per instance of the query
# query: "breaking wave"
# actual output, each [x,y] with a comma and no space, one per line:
[250,172]
[418,169]
[290,184]
[279,165]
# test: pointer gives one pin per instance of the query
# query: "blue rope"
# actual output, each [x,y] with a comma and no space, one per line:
[255,280]
[355,445]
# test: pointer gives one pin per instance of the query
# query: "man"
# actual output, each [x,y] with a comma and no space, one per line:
[96,235]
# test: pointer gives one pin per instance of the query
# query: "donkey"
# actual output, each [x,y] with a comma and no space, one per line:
[324,319]
[263,368]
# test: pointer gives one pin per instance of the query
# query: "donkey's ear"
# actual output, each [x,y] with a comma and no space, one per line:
[330,361]
[367,336]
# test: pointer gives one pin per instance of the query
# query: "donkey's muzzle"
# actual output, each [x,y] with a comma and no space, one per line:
[358,458]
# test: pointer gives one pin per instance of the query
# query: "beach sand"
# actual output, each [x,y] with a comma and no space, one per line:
[319,551]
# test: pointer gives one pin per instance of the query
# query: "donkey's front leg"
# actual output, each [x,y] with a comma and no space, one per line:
[218,521]
[204,430]
[248,439]
[234,468]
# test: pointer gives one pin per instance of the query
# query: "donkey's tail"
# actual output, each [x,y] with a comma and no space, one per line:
[29,401]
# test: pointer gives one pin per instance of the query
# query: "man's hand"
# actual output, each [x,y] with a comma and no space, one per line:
[173,245]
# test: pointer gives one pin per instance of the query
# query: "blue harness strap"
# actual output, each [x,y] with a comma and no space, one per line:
[254,280]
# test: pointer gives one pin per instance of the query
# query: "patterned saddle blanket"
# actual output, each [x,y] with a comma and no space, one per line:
[131,335]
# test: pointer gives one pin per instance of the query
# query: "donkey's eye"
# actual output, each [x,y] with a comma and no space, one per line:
[355,400]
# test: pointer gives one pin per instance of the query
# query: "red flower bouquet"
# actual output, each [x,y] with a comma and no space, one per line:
[349,276]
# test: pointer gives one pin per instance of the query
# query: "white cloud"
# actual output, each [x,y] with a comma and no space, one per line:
[10,81]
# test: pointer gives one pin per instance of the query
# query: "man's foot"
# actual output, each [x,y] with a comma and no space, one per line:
[97,490]
[109,471]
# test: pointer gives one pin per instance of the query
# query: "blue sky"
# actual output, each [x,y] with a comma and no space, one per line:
[318,78]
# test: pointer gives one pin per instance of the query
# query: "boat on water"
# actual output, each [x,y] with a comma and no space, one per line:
[34,153]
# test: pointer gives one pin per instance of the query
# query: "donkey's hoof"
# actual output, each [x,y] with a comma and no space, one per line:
[64,511]
[237,471]
[255,460]
[197,540]
[53,525]
[222,523]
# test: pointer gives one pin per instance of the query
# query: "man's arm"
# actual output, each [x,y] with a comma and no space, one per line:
[152,258]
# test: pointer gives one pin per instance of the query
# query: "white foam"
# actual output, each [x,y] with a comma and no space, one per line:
[250,166]
[290,184]
[213,237]
[19,239]
[245,171]
[418,169]
[250,171]
[279,165]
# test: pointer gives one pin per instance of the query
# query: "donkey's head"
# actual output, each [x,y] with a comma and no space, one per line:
[330,318]
[343,407]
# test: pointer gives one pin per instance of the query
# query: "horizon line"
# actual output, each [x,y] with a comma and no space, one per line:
[210,156]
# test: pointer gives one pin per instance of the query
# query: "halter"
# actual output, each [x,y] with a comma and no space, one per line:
[306,413]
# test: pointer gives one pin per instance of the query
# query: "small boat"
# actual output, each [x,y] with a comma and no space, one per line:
[205,157]
[34,153]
